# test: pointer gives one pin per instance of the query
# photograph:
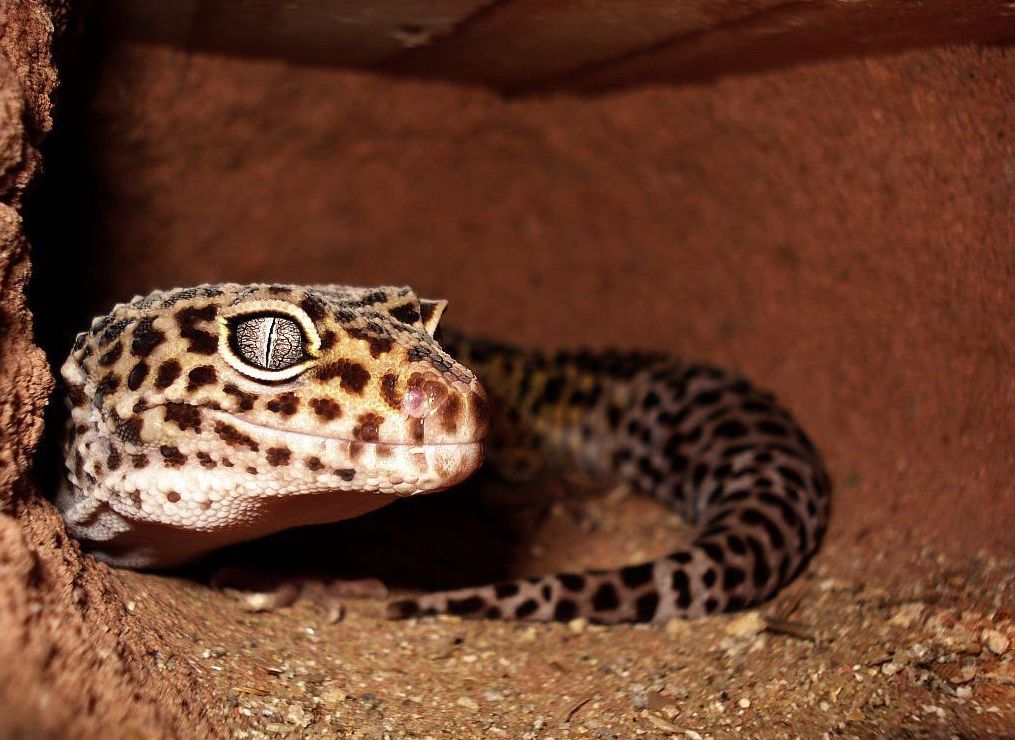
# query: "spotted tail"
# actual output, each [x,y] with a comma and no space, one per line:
[707,444]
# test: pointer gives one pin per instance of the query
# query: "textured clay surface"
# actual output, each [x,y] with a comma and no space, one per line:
[839,232]
[70,666]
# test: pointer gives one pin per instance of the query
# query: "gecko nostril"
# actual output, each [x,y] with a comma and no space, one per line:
[423,396]
[414,402]
[435,392]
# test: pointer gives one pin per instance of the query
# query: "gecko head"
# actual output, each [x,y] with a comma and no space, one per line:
[246,409]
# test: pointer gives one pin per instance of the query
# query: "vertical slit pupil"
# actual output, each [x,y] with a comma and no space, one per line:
[269,342]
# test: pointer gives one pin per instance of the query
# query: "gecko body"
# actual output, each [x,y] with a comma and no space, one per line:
[205,416]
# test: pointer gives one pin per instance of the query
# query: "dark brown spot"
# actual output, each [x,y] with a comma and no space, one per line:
[172,456]
[352,376]
[146,338]
[245,400]
[251,470]
[450,412]
[183,415]
[526,608]
[378,344]
[286,404]
[572,581]
[565,610]
[172,497]
[368,427]
[383,450]
[139,461]
[201,342]
[234,437]
[111,355]
[732,577]
[129,430]
[637,575]
[355,449]
[406,313]
[313,307]
[108,384]
[314,464]
[605,598]
[168,372]
[646,605]
[403,609]
[480,409]
[135,498]
[681,585]
[328,338]
[505,590]
[346,473]
[389,391]
[731,429]
[201,375]
[206,460]
[76,395]
[468,605]
[416,430]
[426,310]
[326,408]
[278,456]
[137,375]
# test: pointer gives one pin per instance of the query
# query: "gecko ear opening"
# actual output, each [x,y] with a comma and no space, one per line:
[430,313]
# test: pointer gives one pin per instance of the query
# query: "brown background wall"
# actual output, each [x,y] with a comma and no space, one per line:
[839,232]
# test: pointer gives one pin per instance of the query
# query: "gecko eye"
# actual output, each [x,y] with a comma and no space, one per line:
[268,341]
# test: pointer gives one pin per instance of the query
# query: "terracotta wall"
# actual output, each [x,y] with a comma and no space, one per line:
[840,232]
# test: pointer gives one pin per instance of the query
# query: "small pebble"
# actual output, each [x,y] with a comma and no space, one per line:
[677,627]
[464,701]
[578,625]
[907,616]
[744,703]
[995,641]
[748,624]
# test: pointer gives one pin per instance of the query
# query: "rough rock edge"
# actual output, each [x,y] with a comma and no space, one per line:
[73,660]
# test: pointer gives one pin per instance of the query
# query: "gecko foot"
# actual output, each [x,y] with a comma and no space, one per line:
[264,593]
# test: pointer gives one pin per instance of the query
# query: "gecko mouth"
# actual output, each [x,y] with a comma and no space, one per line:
[281,432]
[434,466]
[410,446]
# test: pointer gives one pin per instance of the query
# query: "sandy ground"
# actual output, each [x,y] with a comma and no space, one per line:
[843,651]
